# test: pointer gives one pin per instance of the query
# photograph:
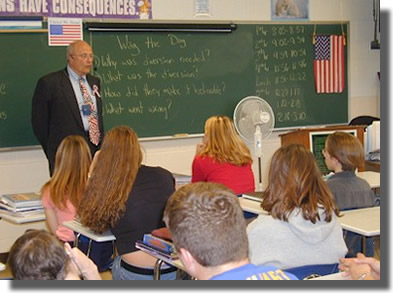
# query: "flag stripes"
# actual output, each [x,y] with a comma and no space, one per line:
[329,64]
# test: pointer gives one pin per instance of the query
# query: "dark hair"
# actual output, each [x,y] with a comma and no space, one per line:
[206,219]
[38,255]
[295,181]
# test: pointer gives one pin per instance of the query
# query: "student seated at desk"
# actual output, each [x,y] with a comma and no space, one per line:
[223,157]
[39,255]
[129,199]
[209,232]
[301,227]
[343,154]
[62,193]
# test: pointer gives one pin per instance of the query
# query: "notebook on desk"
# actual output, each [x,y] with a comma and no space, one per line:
[257,195]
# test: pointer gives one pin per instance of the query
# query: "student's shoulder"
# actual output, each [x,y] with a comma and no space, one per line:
[155,171]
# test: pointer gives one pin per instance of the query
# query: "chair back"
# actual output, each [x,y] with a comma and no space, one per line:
[363,120]
[313,271]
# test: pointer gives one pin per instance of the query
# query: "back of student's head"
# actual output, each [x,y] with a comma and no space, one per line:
[223,143]
[112,179]
[347,149]
[38,255]
[69,179]
[207,220]
[295,181]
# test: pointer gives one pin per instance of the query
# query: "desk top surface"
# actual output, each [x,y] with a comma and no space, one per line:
[373,178]
[365,221]
[77,227]
[336,276]
[251,206]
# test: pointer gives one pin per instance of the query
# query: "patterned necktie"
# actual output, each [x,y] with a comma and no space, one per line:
[94,132]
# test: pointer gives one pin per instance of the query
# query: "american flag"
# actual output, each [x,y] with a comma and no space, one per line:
[64,34]
[329,63]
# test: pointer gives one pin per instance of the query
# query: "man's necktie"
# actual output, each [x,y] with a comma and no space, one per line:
[94,132]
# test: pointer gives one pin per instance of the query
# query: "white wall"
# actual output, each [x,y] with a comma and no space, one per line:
[27,170]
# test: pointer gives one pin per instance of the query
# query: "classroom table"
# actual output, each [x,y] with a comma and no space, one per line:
[365,222]
[373,178]
[335,276]
[251,206]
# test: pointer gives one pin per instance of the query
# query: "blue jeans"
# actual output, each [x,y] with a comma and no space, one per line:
[120,273]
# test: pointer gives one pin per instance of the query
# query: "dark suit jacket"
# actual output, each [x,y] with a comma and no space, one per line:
[55,113]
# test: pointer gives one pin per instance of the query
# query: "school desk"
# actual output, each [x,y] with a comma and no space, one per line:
[78,228]
[373,178]
[251,206]
[365,222]
[335,276]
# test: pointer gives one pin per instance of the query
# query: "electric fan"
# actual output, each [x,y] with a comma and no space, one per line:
[254,121]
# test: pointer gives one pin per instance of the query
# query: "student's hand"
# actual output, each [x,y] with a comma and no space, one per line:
[84,265]
[356,267]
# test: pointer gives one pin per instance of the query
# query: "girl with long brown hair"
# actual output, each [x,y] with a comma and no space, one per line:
[62,193]
[129,199]
[301,226]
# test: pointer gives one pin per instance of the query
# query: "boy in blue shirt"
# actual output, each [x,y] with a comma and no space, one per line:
[209,232]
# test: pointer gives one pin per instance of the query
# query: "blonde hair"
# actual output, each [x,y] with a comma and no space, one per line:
[69,178]
[111,181]
[223,144]
[347,149]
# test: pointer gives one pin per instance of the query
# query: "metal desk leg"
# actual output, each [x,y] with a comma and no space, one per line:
[364,248]
[157,269]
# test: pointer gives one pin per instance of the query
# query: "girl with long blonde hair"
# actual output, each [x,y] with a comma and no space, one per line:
[223,157]
[62,193]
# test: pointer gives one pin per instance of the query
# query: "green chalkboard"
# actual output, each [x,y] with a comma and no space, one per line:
[24,58]
[167,83]
[164,83]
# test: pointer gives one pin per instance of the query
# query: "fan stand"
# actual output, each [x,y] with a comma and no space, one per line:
[258,153]
[260,174]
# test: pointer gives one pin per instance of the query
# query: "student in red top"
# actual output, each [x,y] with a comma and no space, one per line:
[223,157]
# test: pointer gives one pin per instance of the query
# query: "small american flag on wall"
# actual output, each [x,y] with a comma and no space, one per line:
[329,63]
[64,31]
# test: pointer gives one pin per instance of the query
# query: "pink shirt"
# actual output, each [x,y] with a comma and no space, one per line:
[68,214]
[238,178]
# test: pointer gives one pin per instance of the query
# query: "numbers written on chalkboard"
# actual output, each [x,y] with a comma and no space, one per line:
[283,79]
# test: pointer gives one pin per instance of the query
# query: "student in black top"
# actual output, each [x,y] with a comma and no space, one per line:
[129,199]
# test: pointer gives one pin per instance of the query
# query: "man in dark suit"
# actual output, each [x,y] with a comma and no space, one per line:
[68,102]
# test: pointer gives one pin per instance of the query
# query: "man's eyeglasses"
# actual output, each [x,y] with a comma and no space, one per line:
[85,56]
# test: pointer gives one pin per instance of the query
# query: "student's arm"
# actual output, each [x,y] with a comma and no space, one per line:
[51,220]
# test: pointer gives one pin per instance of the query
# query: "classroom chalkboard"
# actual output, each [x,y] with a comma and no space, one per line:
[166,83]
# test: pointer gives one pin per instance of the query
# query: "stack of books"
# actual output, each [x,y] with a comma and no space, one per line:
[21,204]
[157,246]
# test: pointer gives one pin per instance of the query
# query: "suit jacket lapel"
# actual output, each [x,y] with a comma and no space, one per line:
[70,97]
